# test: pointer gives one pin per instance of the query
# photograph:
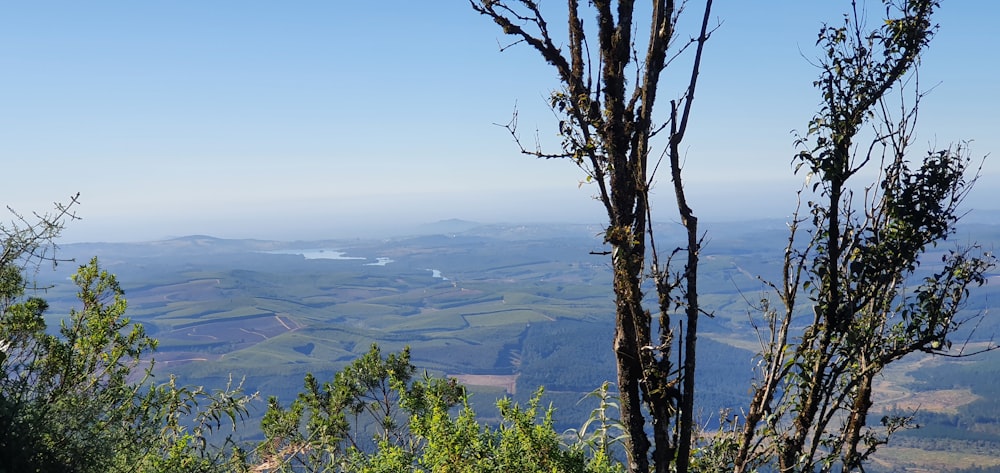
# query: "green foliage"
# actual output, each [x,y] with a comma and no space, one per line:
[78,400]
[82,399]
[524,441]
[68,398]
[325,428]
[181,429]
[858,269]
[601,433]
[413,428]
[605,106]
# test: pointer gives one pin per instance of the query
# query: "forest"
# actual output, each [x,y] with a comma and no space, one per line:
[865,278]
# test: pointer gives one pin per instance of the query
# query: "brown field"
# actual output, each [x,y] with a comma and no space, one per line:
[507,382]
[931,461]
[945,401]
[891,389]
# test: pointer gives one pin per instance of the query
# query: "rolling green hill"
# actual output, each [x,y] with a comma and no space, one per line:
[504,308]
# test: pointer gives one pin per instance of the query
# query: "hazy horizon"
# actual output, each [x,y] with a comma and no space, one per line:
[313,224]
[269,121]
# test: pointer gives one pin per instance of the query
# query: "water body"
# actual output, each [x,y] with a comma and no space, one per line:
[327,253]
[381,261]
[317,253]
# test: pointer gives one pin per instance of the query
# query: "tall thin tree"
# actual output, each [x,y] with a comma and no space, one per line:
[859,269]
[609,129]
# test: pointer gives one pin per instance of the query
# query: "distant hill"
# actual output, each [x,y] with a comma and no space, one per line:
[453,225]
[506,307]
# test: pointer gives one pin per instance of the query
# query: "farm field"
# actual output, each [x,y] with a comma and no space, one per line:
[505,309]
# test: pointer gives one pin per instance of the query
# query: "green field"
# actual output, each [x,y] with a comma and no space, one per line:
[512,310]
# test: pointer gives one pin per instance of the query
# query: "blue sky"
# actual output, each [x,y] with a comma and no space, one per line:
[326,118]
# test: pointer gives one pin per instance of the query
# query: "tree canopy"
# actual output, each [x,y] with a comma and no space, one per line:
[856,293]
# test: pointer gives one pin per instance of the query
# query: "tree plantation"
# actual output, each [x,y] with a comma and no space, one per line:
[868,277]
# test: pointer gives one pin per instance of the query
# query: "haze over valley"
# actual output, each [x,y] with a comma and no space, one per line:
[504,308]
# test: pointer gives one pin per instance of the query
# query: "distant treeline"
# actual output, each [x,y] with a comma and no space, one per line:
[571,358]
[976,421]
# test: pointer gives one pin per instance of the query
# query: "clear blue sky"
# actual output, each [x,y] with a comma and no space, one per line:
[319,118]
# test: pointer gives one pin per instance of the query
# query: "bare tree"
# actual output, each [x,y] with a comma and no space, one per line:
[608,128]
[28,241]
[859,268]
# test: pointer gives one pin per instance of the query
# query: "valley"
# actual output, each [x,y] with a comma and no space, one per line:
[503,308]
